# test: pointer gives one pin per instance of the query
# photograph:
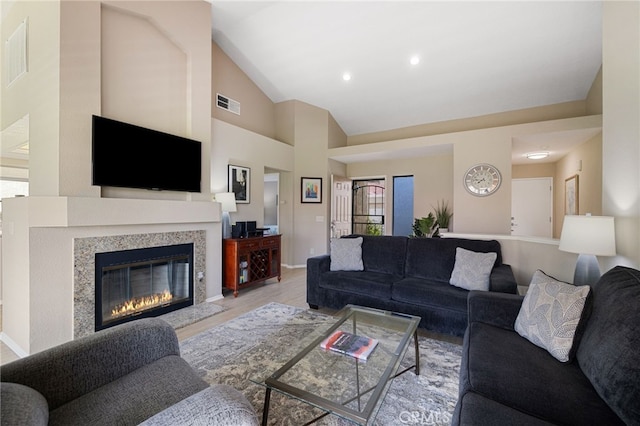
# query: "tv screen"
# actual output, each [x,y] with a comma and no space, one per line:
[129,156]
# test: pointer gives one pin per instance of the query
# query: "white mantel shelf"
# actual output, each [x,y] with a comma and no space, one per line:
[87,211]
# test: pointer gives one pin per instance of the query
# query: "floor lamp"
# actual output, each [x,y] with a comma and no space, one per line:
[228,205]
[588,236]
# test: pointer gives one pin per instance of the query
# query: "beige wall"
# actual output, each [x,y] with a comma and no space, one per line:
[585,161]
[310,220]
[529,115]
[621,127]
[433,182]
[257,112]
[241,147]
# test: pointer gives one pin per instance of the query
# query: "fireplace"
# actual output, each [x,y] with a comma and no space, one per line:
[145,282]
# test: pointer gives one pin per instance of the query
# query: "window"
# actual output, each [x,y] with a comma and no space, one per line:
[402,205]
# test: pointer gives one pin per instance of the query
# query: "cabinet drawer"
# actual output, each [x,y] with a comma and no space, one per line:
[270,242]
[248,245]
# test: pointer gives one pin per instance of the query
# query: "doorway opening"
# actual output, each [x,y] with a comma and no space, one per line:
[271,201]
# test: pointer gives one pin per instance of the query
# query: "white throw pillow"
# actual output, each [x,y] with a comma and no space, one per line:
[472,270]
[550,313]
[346,254]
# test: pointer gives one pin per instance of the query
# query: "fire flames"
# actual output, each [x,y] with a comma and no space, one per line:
[138,304]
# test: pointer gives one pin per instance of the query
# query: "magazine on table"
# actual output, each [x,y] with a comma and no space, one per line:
[351,344]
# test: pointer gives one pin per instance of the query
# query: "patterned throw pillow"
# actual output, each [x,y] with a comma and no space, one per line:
[550,313]
[346,254]
[472,270]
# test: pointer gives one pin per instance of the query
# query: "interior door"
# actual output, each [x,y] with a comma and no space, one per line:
[340,206]
[532,207]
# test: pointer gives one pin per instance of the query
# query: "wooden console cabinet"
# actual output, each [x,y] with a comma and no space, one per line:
[248,261]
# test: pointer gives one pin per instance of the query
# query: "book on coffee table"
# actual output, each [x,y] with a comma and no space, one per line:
[350,344]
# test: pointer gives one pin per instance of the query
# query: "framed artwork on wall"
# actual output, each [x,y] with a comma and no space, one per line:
[240,183]
[571,196]
[311,190]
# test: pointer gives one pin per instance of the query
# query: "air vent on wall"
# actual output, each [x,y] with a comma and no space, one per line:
[227,104]
[16,53]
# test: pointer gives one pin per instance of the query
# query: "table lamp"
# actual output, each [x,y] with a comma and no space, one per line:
[588,236]
[228,205]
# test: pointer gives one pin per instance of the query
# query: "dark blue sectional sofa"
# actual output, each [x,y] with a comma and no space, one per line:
[407,275]
[506,380]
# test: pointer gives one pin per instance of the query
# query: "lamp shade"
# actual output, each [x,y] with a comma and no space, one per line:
[588,235]
[227,201]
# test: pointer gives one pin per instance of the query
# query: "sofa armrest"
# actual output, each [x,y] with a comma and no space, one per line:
[315,267]
[319,264]
[70,370]
[216,405]
[498,309]
[22,405]
[502,280]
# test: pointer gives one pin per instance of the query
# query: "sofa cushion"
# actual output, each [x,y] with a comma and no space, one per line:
[430,293]
[608,353]
[133,398]
[346,254]
[550,314]
[22,405]
[216,405]
[474,409]
[505,367]
[434,258]
[374,284]
[472,270]
[384,254]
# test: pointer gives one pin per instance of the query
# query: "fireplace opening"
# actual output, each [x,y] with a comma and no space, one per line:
[146,282]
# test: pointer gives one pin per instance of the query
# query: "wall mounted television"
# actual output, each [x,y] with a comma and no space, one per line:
[130,156]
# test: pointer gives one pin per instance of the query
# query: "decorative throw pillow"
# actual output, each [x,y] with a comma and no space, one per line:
[346,254]
[472,269]
[550,314]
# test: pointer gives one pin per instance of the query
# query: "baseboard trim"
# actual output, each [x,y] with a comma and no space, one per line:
[284,265]
[13,345]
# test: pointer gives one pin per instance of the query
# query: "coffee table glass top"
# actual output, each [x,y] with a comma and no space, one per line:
[341,384]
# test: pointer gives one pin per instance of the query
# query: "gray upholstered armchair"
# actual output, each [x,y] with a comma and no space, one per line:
[123,375]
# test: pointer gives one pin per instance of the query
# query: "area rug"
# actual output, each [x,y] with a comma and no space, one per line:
[191,314]
[256,343]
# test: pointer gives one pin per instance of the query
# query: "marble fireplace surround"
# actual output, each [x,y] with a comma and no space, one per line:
[85,250]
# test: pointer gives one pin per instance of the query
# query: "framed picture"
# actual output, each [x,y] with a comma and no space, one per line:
[240,183]
[571,195]
[311,189]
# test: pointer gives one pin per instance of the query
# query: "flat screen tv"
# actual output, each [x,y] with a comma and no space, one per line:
[129,156]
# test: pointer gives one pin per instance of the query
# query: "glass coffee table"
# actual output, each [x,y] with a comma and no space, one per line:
[341,384]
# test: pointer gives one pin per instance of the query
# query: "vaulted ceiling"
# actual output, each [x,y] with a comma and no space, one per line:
[474,58]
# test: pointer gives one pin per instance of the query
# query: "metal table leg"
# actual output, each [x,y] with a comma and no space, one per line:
[265,410]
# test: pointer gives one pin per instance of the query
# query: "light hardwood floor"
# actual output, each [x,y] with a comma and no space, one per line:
[292,290]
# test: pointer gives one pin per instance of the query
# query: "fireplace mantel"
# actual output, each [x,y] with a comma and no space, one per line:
[87,211]
[38,255]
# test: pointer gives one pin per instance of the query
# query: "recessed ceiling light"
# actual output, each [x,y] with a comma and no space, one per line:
[346,76]
[537,155]
[415,60]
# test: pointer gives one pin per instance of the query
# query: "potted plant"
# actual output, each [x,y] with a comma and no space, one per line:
[425,227]
[443,215]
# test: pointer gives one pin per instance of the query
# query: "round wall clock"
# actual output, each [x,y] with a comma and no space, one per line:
[482,180]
